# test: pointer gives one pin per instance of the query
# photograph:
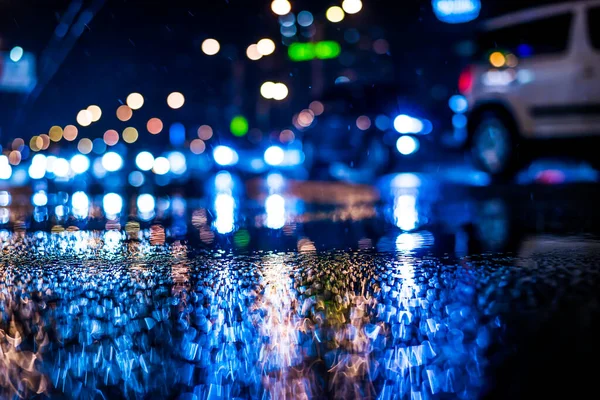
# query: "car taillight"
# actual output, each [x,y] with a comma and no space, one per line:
[466,80]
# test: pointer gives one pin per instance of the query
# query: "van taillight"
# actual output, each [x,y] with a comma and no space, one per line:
[465,80]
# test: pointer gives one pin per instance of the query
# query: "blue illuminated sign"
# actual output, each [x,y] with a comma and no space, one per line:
[456,11]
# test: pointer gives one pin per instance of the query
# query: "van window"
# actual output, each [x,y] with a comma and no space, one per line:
[542,36]
[594,26]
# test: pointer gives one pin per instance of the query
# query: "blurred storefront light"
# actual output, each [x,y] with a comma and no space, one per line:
[407,145]
[112,161]
[456,11]
[274,155]
[225,156]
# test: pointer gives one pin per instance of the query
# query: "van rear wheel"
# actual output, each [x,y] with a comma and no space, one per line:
[493,145]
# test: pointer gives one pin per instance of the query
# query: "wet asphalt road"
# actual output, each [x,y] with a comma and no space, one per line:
[270,288]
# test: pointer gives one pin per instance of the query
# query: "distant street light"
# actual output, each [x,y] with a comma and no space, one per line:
[352,6]
[334,14]
[281,7]
[265,47]
[210,47]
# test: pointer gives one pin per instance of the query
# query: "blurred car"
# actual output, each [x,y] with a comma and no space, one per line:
[535,87]
[370,128]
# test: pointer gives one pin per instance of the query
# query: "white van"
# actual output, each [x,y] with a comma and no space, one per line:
[536,81]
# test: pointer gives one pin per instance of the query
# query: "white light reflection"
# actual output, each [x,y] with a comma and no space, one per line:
[275,209]
[406,215]
[4,198]
[223,182]
[275,181]
[81,204]
[224,210]
[146,204]
[112,161]
[80,163]
[112,203]
[144,161]
[60,167]
[39,199]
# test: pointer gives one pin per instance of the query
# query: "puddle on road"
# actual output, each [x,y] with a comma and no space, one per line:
[103,315]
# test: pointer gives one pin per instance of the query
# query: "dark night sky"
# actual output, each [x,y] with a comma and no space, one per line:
[153,47]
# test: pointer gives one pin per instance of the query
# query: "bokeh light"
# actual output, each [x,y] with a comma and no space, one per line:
[197,146]
[144,161]
[154,126]
[407,145]
[305,118]
[112,203]
[274,155]
[81,204]
[136,179]
[112,161]
[316,107]
[124,113]
[281,7]
[146,203]
[177,162]
[55,133]
[70,133]
[305,18]
[17,143]
[497,59]
[85,146]
[381,46]
[175,100]
[265,46]
[280,91]
[512,61]
[45,141]
[224,155]
[363,122]
[352,6]
[5,168]
[267,89]
[130,135]
[59,166]
[39,199]
[458,103]
[286,136]
[84,118]
[334,14]
[161,166]
[35,143]
[79,163]
[14,157]
[210,47]
[252,52]
[111,137]
[99,147]
[96,112]
[16,53]
[205,132]
[238,125]
[135,101]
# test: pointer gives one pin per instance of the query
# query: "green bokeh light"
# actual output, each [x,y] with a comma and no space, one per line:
[327,49]
[241,238]
[239,125]
[301,51]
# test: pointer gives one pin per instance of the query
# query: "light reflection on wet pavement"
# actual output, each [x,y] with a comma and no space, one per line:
[438,293]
